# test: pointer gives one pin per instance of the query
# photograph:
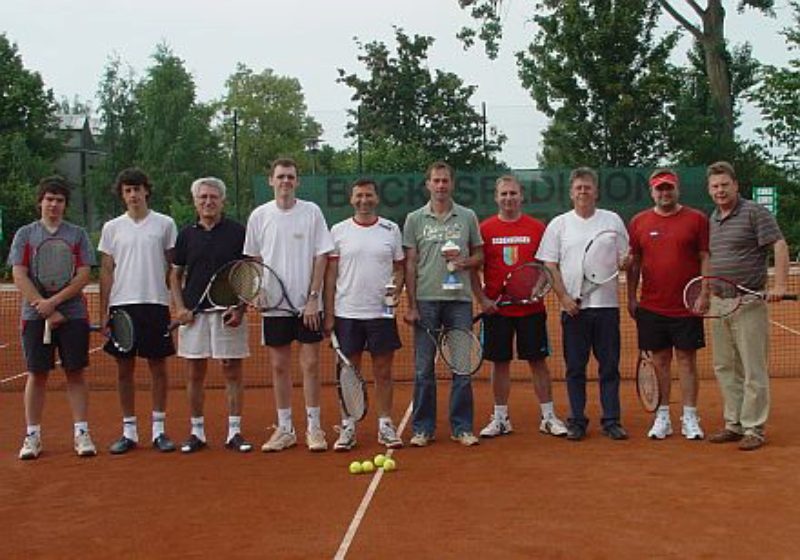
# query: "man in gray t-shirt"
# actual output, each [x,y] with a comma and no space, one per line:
[64,311]
[442,242]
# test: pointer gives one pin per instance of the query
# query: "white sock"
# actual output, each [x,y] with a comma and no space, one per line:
[198,427]
[348,422]
[81,428]
[285,419]
[313,417]
[663,411]
[690,411]
[34,430]
[384,421]
[158,423]
[547,409]
[234,426]
[129,429]
[501,411]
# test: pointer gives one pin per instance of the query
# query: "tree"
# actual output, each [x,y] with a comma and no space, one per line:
[408,116]
[598,71]
[272,121]
[28,137]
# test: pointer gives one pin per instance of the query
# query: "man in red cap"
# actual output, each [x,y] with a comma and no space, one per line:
[669,247]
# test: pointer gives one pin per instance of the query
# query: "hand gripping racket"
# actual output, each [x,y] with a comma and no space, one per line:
[120,330]
[459,348]
[716,297]
[525,285]
[647,387]
[53,267]
[219,293]
[601,260]
[258,285]
[350,384]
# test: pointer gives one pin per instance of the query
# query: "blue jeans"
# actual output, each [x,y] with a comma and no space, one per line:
[436,314]
[597,330]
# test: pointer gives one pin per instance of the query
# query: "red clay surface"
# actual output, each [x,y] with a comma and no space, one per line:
[521,496]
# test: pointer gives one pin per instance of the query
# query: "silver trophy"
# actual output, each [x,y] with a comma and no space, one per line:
[389,300]
[450,252]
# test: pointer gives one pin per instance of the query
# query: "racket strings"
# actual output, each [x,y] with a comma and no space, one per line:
[601,259]
[54,265]
[712,297]
[351,389]
[244,279]
[122,331]
[527,283]
[647,385]
[461,350]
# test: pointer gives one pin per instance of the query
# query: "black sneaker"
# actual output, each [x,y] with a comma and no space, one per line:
[615,431]
[163,444]
[122,445]
[238,443]
[192,444]
[575,432]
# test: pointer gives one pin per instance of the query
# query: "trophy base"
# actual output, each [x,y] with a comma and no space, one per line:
[450,287]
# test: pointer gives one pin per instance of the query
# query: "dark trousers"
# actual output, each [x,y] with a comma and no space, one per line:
[595,330]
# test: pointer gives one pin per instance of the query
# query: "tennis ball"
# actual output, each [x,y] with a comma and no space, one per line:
[367,467]
[379,459]
[355,468]
[389,464]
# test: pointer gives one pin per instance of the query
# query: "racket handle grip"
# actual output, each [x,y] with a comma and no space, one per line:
[47,338]
[790,297]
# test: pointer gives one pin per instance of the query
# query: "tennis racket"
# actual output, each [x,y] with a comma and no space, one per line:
[716,297]
[601,260]
[351,386]
[258,285]
[525,285]
[459,348]
[647,387]
[120,330]
[219,293]
[53,267]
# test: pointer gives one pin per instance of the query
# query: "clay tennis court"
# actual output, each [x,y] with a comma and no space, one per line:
[521,496]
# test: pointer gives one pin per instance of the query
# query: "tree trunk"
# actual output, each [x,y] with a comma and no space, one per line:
[719,79]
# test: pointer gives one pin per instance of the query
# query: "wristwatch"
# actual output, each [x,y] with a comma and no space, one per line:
[313,294]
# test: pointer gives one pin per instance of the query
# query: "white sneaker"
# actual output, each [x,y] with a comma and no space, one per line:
[84,446]
[662,427]
[31,447]
[279,440]
[466,439]
[421,440]
[315,440]
[497,427]
[553,425]
[387,435]
[346,439]
[690,427]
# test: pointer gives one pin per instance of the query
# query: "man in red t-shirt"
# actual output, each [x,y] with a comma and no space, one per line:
[510,240]
[669,246]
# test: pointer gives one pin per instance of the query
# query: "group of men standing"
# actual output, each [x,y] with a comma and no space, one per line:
[346,280]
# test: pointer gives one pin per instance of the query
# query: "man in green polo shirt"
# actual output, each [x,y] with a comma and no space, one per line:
[741,234]
[442,242]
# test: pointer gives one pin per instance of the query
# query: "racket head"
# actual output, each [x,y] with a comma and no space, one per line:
[601,256]
[527,283]
[53,265]
[273,294]
[220,292]
[712,297]
[350,385]
[647,387]
[121,331]
[244,278]
[461,350]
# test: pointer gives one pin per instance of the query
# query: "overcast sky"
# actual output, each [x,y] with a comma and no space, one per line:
[69,41]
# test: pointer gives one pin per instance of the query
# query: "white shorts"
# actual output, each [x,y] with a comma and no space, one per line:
[208,337]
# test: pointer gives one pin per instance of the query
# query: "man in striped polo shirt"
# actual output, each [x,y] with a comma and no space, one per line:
[741,235]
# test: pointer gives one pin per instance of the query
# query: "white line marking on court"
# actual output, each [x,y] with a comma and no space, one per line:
[784,327]
[24,373]
[365,501]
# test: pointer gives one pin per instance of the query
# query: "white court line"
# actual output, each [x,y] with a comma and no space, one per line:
[784,327]
[24,373]
[365,501]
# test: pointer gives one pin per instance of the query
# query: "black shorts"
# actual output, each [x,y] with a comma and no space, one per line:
[376,336]
[280,331]
[150,322]
[531,334]
[70,338]
[659,332]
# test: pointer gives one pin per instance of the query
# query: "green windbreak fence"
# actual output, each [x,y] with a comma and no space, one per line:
[546,192]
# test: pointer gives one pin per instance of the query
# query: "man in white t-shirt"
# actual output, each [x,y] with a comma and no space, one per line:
[291,236]
[364,269]
[136,250]
[589,321]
